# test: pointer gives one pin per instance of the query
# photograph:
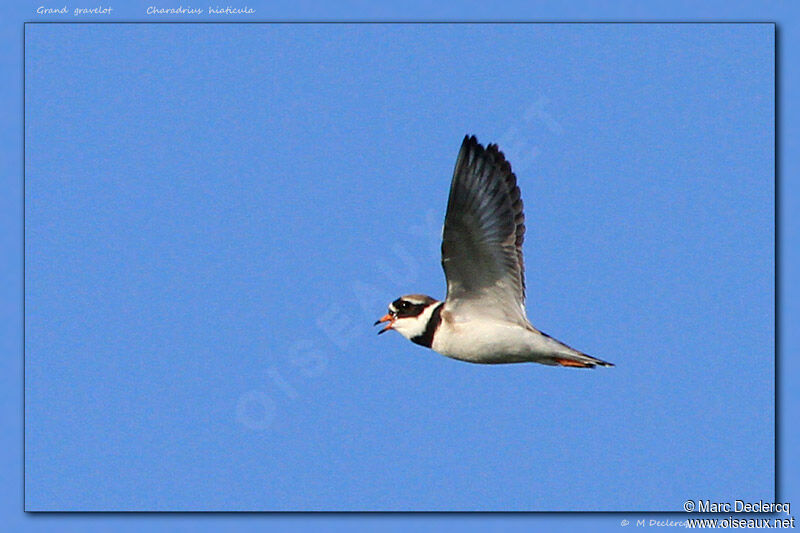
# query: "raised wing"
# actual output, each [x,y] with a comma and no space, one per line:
[482,238]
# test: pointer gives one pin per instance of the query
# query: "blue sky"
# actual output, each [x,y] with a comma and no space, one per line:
[212,226]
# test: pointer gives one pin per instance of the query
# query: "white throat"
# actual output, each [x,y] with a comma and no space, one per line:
[415,326]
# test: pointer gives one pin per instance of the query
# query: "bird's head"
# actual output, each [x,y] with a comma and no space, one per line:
[408,315]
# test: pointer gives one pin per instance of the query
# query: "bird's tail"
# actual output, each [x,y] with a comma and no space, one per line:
[560,354]
[579,360]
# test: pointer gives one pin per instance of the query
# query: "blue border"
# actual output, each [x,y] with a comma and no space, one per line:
[11,265]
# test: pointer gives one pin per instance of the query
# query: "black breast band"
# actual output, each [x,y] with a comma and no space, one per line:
[426,339]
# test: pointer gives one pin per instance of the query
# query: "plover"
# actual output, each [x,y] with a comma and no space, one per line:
[482,319]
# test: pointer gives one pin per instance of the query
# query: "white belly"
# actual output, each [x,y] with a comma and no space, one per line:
[479,341]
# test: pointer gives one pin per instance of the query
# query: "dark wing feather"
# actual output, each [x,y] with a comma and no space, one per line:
[483,234]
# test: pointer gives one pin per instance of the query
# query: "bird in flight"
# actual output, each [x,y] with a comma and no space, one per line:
[482,319]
